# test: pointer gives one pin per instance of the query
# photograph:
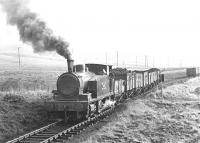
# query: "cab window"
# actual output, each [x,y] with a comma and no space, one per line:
[78,68]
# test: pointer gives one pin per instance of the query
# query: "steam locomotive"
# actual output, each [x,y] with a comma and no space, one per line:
[88,89]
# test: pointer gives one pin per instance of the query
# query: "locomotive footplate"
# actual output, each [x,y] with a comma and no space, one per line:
[69,106]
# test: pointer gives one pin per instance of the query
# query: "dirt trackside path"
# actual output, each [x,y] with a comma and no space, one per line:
[171,115]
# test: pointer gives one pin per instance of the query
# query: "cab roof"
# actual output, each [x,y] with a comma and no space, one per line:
[97,64]
[93,64]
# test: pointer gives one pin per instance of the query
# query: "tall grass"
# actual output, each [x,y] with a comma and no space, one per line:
[22,100]
[28,81]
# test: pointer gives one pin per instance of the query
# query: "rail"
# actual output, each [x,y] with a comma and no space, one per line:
[23,137]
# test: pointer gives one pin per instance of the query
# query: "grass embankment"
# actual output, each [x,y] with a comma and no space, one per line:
[22,101]
[18,116]
[169,115]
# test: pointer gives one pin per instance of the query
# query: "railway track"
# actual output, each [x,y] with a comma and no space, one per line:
[44,132]
[57,132]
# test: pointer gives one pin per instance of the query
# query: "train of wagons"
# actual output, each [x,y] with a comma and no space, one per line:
[89,89]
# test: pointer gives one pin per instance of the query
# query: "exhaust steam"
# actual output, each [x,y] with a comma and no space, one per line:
[32,30]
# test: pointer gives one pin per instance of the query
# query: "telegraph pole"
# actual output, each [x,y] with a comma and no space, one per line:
[124,65]
[168,61]
[117,58]
[19,61]
[106,58]
[146,61]
[153,61]
[19,58]
[180,63]
[136,60]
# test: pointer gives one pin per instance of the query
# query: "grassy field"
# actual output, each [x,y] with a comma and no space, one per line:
[27,80]
[22,99]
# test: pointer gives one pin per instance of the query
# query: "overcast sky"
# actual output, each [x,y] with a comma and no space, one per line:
[168,32]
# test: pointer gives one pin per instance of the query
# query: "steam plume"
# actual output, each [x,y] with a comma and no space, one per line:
[32,30]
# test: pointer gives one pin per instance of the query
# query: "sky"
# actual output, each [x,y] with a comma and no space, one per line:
[166,32]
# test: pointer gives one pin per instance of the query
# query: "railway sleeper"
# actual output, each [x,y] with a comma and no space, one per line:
[38,136]
[34,139]
[50,132]
[42,135]
[47,134]
[31,141]
[54,130]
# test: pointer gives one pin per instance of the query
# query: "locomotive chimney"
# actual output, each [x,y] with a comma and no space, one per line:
[70,64]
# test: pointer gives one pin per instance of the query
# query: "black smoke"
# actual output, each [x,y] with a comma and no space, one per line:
[32,30]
